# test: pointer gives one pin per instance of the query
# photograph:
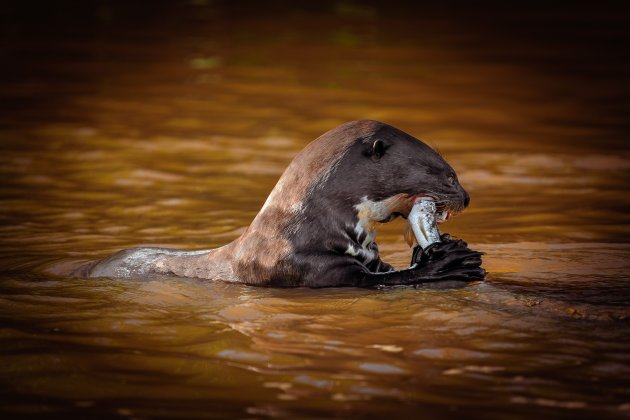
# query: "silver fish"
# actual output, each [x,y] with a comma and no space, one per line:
[423,223]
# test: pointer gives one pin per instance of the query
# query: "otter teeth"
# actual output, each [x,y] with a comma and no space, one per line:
[422,219]
[442,216]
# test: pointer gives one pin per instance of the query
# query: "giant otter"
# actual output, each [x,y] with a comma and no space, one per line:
[317,227]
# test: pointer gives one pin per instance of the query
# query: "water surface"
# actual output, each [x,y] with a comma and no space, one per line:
[171,129]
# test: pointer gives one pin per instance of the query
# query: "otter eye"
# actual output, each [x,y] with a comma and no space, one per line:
[451,179]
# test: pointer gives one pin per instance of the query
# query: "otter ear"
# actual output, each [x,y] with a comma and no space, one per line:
[378,149]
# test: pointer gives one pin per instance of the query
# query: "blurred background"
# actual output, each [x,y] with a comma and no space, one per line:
[120,96]
[168,123]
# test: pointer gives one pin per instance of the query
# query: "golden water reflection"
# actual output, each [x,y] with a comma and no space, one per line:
[117,142]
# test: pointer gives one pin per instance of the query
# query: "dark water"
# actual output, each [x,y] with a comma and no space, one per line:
[168,125]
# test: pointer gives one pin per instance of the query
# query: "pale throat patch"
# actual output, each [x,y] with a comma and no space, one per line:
[369,213]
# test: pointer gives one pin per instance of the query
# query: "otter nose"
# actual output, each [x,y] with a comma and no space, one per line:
[466,199]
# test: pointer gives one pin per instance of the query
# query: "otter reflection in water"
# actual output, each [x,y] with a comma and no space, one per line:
[317,227]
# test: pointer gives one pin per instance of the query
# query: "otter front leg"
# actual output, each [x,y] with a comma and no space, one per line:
[447,260]
[379,266]
[448,247]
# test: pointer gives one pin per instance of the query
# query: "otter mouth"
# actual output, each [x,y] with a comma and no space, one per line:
[400,205]
[444,210]
[442,213]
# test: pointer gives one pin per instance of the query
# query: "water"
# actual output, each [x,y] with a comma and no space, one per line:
[170,127]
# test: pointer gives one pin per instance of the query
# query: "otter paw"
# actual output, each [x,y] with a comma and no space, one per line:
[449,259]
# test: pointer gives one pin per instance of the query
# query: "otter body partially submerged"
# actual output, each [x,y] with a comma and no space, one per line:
[317,227]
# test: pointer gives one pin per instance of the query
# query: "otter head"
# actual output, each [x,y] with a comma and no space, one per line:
[385,170]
